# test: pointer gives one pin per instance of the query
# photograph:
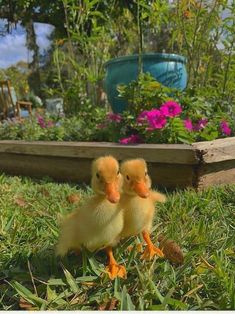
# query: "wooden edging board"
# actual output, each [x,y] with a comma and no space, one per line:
[170,165]
[166,153]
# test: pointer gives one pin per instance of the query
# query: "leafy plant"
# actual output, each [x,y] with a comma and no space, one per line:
[156,115]
[143,93]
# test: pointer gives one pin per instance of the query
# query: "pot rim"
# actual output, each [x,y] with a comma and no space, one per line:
[157,56]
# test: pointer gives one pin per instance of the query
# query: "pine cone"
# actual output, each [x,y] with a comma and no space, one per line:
[171,250]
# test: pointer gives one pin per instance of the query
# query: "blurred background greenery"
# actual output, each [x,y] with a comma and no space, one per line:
[87,33]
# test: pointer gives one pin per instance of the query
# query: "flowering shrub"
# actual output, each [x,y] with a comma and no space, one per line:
[166,124]
[170,109]
[170,124]
[48,128]
[224,126]
[164,117]
[132,139]
[144,93]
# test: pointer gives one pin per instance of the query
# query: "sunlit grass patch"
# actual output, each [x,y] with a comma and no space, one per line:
[31,277]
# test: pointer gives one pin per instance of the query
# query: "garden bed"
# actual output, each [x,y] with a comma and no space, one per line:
[170,165]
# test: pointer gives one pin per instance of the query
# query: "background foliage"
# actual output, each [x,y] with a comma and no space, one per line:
[89,32]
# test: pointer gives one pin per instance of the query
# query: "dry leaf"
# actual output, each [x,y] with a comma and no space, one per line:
[89,283]
[208,265]
[139,248]
[73,198]
[25,305]
[20,202]
[187,14]
[79,299]
[44,192]
[130,248]
[110,305]
[192,291]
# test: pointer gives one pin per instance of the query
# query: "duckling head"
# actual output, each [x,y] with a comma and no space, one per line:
[106,178]
[135,177]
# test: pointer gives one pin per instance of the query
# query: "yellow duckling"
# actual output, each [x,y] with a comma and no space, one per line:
[97,224]
[138,202]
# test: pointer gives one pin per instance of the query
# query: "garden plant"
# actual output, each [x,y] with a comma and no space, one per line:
[156,114]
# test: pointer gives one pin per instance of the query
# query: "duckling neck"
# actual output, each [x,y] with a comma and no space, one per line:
[129,195]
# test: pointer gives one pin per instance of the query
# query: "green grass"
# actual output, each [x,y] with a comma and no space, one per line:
[31,277]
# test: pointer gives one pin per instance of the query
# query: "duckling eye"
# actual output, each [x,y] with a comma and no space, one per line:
[118,172]
[128,178]
[97,176]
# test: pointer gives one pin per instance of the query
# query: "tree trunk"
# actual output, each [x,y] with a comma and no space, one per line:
[31,44]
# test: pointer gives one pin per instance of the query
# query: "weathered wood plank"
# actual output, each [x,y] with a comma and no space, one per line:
[162,153]
[217,150]
[200,165]
[218,173]
[58,168]
[172,175]
[79,169]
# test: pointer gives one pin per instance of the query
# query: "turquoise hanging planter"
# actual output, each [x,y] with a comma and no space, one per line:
[168,69]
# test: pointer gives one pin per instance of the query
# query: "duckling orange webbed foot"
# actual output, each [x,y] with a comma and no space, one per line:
[149,252]
[151,249]
[114,269]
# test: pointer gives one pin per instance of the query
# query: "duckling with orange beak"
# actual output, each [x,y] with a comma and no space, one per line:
[138,203]
[97,224]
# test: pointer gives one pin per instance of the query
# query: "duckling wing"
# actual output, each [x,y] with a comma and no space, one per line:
[70,235]
[157,197]
[95,225]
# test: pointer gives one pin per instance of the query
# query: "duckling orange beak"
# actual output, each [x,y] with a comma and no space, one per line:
[141,189]
[111,193]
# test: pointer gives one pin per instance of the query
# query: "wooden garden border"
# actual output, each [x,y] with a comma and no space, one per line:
[170,165]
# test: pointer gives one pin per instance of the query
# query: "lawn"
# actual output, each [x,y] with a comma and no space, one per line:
[32,278]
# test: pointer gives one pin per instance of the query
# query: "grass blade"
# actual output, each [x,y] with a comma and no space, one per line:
[27,294]
[71,281]
[126,302]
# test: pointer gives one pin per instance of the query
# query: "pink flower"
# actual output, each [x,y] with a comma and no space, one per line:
[156,119]
[41,122]
[188,124]
[171,109]
[142,117]
[132,139]
[224,126]
[114,117]
[200,124]
[195,127]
